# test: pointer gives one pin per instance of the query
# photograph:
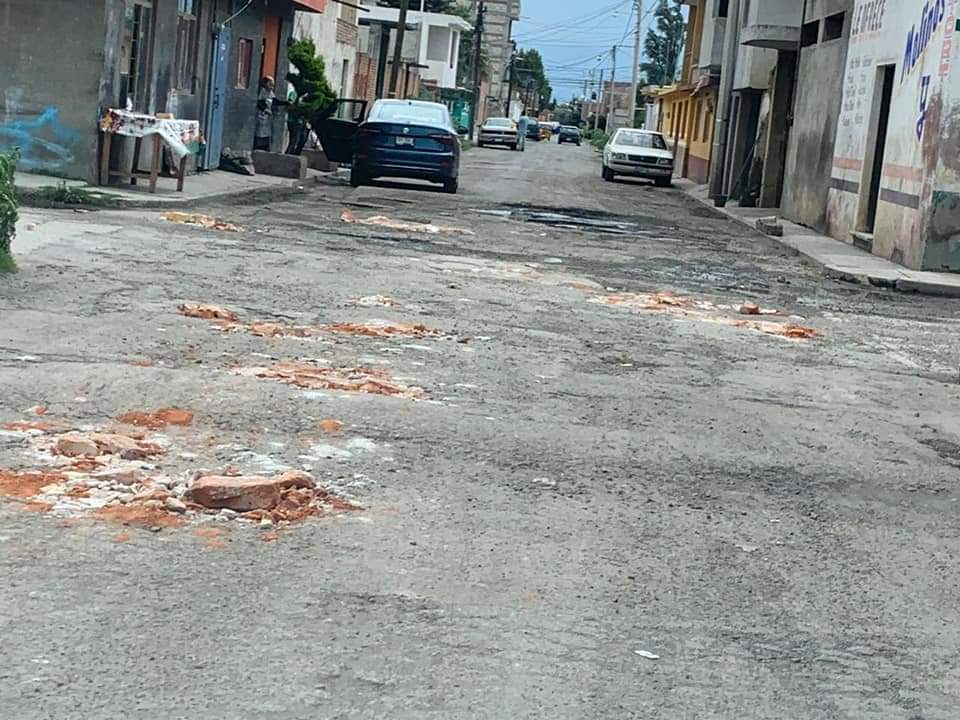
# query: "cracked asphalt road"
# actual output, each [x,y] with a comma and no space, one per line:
[774,519]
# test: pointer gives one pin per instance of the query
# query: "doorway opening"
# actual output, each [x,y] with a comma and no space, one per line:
[876,146]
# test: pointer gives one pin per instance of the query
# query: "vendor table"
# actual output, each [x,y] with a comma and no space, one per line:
[181,136]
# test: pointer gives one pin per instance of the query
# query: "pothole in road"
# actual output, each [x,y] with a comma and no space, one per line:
[579,219]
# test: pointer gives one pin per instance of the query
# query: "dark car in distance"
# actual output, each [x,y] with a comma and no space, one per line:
[533,129]
[569,134]
[407,139]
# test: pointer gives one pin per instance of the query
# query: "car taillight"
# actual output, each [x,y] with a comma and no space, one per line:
[368,131]
[443,139]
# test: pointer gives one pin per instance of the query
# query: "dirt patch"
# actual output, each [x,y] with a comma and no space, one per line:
[38,506]
[158,418]
[690,308]
[27,484]
[140,516]
[331,426]
[368,381]
[120,537]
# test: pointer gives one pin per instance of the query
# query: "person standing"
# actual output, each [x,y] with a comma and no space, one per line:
[266,100]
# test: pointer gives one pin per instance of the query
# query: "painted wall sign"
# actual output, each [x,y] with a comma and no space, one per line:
[869,17]
[932,16]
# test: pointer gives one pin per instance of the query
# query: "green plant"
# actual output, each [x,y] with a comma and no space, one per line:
[8,208]
[598,139]
[315,98]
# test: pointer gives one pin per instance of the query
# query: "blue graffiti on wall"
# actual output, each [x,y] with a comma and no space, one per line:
[43,140]
[924,99]
[931,16]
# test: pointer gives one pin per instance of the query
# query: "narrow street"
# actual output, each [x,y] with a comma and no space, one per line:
[598,482]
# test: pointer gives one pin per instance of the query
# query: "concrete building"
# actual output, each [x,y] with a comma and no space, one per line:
[431,47]
[895,185]
[754,34]
[686,110]
[817,100]
[335,33]
[64,66]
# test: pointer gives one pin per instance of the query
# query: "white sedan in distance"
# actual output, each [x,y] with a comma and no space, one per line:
[638,153]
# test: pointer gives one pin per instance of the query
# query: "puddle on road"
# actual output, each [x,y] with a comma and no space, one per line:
[579,219]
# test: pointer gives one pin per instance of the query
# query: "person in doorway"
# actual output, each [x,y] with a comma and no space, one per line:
[266,104]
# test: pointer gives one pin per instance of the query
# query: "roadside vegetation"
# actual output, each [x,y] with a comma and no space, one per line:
[8,209]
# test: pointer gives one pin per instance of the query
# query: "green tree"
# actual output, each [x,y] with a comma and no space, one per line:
[8,208]
[664,43]
[529,67]
[314,96]
[467,39]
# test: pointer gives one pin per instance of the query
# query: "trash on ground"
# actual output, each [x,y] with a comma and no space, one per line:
[289,497]
[38,409]
[158,418]
[117,477]
[705,311]
[211,223]
[383,329]
[750,308]
[374,301]
[27,425]
[748,548]
[207,312]
[369,381]
[646,654]
[228,321]
[383,221]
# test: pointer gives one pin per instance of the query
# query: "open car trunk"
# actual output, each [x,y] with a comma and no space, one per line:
[336,132]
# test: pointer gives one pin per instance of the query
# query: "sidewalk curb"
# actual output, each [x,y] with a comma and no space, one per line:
[894,279]
[39,197]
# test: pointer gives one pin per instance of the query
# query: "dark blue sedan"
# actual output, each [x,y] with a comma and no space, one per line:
[407,139]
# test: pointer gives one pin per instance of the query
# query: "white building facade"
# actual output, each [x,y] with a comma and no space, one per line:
[895,183]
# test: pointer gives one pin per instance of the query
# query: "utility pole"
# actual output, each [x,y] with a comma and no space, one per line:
[398,48]
[477,40]
[477,43]
[634,86]
[613,93]
[513,59]
[597,105]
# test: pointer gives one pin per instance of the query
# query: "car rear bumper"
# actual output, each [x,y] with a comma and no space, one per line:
[392,163]
[645,171]
[493,139]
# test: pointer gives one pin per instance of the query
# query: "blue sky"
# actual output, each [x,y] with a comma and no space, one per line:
[575,38]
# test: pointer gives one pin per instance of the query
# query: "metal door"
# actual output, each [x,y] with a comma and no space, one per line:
[216,97]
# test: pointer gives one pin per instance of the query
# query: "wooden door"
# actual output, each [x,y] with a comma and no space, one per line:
[271,46]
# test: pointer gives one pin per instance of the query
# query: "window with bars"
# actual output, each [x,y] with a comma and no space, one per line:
[188,40]
[244,63]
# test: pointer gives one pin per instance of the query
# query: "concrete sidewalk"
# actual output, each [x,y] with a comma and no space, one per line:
[836,259]
[42,190]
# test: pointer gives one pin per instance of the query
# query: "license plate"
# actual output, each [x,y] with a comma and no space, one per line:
[404,141]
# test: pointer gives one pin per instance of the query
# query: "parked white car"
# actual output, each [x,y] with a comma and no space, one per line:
[501,131]
[638,153]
